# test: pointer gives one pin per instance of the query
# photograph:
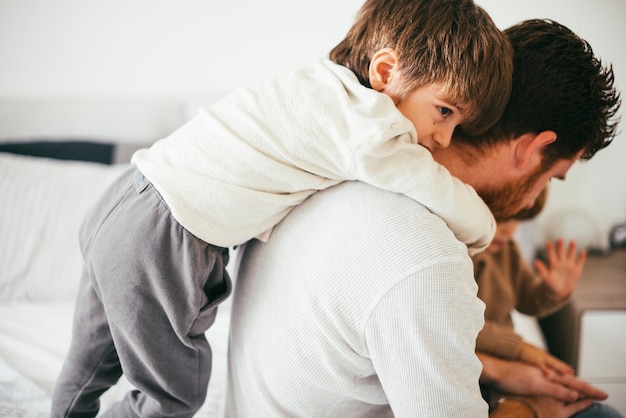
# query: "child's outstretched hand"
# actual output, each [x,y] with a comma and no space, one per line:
[543,360]
[564,267]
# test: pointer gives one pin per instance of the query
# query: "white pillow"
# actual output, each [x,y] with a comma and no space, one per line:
[42,204]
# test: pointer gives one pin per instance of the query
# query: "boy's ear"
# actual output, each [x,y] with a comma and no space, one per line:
[383,68]
[530,146]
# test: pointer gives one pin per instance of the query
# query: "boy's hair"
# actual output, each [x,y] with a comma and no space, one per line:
[558,85]
[452,42]
[535,209]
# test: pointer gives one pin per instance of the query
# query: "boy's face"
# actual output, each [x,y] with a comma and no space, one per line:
[433,117]
[504,233]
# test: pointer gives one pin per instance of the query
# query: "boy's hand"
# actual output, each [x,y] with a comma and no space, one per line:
[513,376]
[564,267]
[543,360]
[546,406]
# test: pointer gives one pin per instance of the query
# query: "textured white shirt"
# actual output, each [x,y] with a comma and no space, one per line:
[361,304]
[235,170]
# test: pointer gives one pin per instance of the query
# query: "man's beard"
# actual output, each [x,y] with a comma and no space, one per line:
[506,200]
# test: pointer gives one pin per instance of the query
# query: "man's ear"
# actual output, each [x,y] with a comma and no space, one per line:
[530,146]
[383,68]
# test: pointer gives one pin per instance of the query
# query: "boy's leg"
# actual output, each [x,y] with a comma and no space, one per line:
[92,365]
[159,303]
[159,285]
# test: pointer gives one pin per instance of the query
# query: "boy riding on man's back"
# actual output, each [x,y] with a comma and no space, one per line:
[405,77]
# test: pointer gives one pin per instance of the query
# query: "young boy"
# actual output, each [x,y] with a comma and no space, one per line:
[507,282]
[156,246]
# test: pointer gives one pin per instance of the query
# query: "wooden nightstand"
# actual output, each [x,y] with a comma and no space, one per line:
[590,332]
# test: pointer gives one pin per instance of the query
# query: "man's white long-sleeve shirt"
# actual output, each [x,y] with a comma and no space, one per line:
[234,171]
[361,304]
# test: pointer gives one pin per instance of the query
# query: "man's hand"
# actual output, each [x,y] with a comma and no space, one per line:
[564,267]
[525,380]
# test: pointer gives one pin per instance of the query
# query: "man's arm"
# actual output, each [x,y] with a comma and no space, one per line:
[420,338]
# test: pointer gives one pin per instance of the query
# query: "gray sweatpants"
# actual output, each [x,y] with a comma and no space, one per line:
[148,293]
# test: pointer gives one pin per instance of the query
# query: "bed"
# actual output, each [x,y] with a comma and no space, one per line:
[56,158]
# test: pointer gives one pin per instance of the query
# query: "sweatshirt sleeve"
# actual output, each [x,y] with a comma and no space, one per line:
[499,340]
[538,299]
[402,166]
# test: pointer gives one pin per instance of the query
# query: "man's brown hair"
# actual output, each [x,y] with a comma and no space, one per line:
[452,42]
[558,85]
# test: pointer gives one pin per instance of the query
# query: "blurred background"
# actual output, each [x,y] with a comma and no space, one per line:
[157,49]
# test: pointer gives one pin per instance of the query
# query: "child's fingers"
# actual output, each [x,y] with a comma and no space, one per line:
[571,250]
[559,366]
[550,252]
[560,248]
[541,268]
[582,257]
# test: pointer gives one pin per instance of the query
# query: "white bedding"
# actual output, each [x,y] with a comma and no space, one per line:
[34,338]
[33,341]
[43,203]
[19,397]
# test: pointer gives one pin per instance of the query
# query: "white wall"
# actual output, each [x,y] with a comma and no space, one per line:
[167,48]
[159,47]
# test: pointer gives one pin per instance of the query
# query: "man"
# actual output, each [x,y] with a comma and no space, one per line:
[363,303]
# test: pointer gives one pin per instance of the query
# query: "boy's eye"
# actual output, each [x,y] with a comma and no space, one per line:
[445,111]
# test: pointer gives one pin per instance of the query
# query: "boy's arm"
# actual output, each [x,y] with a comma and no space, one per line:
[499,340]
[537,299]
[400,166]
[502,341]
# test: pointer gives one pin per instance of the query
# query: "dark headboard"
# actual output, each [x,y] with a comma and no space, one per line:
[63,150]
[76,150]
